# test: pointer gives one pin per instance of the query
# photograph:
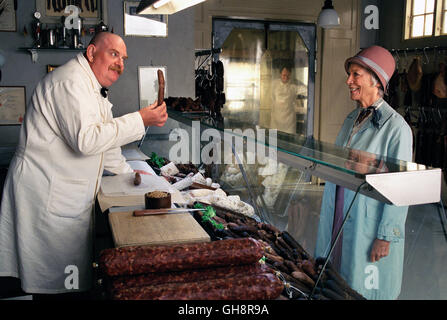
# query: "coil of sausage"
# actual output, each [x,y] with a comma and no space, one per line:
[264,286]
[150,279]
[135,260]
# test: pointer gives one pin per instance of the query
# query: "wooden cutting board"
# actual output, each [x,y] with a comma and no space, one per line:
[165,229]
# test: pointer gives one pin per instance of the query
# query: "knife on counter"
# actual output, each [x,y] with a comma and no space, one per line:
[150,212]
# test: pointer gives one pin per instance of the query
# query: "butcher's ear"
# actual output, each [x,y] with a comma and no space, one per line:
[90,53]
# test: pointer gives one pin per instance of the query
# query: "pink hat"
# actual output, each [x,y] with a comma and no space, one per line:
[376,59]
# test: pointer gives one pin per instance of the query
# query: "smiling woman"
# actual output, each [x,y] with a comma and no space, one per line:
[381,131]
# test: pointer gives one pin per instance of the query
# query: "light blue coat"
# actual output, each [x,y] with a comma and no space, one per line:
[388,135]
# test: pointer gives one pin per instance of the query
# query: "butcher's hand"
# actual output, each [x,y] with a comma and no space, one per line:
[380,249]
[154,115]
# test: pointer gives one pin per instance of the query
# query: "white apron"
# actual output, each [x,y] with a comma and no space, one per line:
[283,115]
[68,137]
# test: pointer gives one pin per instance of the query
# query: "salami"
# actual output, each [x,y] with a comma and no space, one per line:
[248,287]
[161,87]
[149,279]
[137,179]
[135,260]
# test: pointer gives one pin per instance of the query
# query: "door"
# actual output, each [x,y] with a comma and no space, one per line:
[269,76]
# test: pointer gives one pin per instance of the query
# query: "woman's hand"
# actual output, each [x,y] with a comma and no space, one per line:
[380,249]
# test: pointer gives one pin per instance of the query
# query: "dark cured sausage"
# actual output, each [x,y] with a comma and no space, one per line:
[248,287]
[143,259]
[137,179]
[150,279]
[161,87]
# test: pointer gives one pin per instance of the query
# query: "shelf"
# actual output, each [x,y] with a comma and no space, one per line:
[35,51]
[391,181]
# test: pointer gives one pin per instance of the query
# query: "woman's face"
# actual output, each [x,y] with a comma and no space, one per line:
[361,86]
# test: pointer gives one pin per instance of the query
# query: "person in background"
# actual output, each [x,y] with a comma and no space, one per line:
[285,94]
[369,254]
[68,137]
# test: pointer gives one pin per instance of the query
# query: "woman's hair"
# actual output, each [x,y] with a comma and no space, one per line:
[375,80]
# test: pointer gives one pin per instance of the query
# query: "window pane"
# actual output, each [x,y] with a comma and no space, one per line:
[430,6]
[444,24]
[428,25]
[418,27]
[418,7]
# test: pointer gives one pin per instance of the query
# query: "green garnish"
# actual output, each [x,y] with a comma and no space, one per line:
[159,161]
[208,214]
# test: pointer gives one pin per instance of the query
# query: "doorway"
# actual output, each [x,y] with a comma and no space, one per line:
[269,77]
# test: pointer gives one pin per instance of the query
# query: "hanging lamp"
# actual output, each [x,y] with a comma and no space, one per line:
[328,17]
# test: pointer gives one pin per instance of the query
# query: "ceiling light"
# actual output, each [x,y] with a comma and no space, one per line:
[328,17]
[165,6]
[160,3]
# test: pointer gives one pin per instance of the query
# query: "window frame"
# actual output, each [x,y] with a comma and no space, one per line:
[443,17]
[437,20]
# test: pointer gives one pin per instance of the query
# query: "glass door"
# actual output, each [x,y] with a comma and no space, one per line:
[269,78]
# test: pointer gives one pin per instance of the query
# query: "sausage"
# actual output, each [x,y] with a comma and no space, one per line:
[270,228]
[304,278]
[308,268]
[242,228]
[247,287]
[294,244]
[150,279]
[134,260]
[274,257]
[161,87]
[137,179]
[332,285]
[291,266]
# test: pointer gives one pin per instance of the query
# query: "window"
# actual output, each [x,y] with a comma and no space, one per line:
[444,17]
[425,18]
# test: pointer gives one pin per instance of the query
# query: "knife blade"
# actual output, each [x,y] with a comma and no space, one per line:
[150,212]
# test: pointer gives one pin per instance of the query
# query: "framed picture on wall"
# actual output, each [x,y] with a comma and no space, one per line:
[91,11]
[147,25]
[148,84]
[12,105]
[8,16]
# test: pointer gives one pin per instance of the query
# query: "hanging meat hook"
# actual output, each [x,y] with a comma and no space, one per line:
[426,56]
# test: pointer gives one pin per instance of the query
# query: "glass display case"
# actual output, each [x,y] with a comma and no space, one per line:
[283,177]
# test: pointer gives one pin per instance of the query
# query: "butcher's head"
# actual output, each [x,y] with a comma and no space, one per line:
[106,54]
[285,75]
